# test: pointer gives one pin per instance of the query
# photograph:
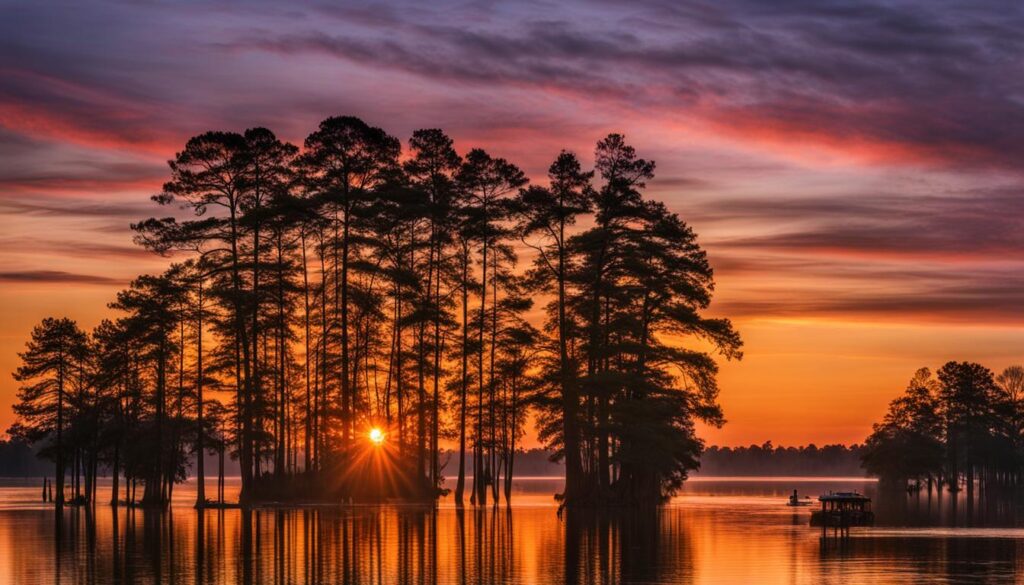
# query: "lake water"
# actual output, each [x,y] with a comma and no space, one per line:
[715,531]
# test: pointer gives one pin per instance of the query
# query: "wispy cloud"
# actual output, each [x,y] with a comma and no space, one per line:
[928,81]
[980,225]
[51,206]
[55,277]
[64,248]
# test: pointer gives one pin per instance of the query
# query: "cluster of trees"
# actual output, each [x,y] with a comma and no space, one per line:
[961,427]
[346,285]
[113,400]
[767,459]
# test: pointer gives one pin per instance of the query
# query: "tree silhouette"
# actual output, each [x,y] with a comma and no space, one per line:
[209,175]
[486,182]
[960,428]
[118,381]
[50,368]
[345,286]
[907,444]
[153,307]
[548,213]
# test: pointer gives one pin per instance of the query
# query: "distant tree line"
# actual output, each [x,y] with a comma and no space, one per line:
[321,291]
[767,460]
[536,462]
[958,428]
[19,459]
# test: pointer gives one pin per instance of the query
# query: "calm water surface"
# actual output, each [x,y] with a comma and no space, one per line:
[715,531]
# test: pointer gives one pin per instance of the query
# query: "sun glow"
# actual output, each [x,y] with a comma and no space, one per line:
[376,436]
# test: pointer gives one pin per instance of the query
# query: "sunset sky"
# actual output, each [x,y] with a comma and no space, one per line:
[853,169]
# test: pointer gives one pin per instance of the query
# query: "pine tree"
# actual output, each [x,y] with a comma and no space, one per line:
[546,215]
[49,370]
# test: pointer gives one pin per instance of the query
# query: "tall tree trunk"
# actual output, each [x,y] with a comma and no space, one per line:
[421,392]
[435,470]
[512,419]
[399,386]
[59,471]
[322,394]
[200,426]
[345,390]
[494,471]
[279,463]
[570,396]
[220,473]
[154,492]
[306,443]
[115,466]
[461,483]
[479,481]
[244,390]
[257,376]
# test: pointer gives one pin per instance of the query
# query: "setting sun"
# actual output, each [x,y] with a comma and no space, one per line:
[376,436]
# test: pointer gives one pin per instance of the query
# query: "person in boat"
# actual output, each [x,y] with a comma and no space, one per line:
[794,500]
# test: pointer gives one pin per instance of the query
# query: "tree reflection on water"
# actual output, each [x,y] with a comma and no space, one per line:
[717,532]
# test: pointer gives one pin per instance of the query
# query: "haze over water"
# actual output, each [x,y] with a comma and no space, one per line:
[715,531]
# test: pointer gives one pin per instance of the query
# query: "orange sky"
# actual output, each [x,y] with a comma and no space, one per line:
[856,185]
